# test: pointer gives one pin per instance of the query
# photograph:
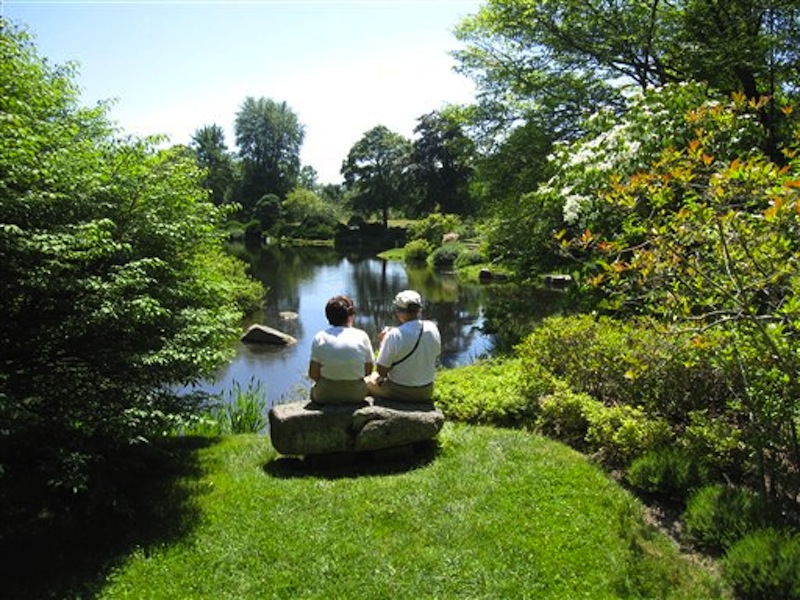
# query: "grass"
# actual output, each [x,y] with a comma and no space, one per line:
[490,513]
[396,254]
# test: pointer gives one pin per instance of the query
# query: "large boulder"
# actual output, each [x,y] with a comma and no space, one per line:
[307,428]
[261,334]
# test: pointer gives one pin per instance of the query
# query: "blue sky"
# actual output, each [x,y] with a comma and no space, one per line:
[173,66]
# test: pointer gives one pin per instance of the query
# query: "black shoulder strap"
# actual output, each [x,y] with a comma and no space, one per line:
[419,337]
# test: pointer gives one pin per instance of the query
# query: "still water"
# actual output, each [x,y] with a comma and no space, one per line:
[301,280]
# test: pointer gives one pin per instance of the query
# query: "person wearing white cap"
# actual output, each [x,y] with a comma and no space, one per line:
[406,362]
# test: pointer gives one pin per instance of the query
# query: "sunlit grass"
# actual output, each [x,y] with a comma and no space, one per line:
[493,514]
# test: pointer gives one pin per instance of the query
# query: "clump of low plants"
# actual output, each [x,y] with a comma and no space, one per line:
[433,228]
[469,257]
[717,516]
[564,415]
[417,251]
[489,392]
[615,433]
[765,564]
[239,410]
[671,472]
[445,256]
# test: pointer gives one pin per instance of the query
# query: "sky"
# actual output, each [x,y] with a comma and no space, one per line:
[342,66]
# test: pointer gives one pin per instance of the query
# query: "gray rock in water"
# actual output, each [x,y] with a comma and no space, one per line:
[307,428]
[261,334]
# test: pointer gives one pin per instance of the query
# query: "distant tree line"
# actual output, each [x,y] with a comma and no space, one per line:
[384,173]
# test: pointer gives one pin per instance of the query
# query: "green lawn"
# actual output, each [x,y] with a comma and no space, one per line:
[491,514]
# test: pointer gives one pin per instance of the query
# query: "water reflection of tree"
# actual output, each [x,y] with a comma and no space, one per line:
[455,307]
[511,311]
[459,322]
[283,271]
[375,283]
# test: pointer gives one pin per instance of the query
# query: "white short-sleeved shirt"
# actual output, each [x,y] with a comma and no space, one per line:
[341,352]
[420,368]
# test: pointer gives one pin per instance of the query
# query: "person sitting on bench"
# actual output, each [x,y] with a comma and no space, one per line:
[406,363]
[341,357]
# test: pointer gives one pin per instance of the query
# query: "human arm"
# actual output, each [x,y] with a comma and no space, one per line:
[314,370]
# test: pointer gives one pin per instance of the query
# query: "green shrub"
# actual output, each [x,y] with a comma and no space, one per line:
[621,433]
[469,257]
[318,226]
[488,392]
[566,416]
[672,472]
[433,227]
[717,516]
[717,442]
[616,433]
[252,229]
[417,250]
[634,362]
[114,291]
[765,564]
[445,256]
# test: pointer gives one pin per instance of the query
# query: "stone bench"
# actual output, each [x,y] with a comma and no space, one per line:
[307,428]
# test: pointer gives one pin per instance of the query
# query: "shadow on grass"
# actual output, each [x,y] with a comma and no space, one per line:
[355,464]
[144,501]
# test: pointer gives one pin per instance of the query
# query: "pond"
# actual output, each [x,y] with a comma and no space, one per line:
[301,280]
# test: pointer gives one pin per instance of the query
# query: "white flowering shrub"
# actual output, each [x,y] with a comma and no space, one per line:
[619,146]
[616,147]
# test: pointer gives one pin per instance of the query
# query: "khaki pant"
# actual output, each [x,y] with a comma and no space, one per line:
[334,391]
[394,391]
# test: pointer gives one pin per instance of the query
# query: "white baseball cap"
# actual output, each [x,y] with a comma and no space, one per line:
[408,299]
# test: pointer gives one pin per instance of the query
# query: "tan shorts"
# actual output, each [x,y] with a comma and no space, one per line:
[335,391]
[394,391]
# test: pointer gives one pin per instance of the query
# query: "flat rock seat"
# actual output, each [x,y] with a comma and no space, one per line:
[307,428]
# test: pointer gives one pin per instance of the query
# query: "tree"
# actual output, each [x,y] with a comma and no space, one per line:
[442,157]
[115,284]
[557,60]
[212,155]
[308,177]
[376,172]
[269,137]
[517,165]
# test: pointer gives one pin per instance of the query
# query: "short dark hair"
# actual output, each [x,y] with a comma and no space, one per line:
[338,309]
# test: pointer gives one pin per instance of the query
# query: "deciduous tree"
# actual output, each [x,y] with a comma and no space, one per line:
[115,287]
[376,172]
[558,60]
[442,162]
[709,239]
[269,137]
[212,154]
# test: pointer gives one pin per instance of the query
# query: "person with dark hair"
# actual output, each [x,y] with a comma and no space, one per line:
[341,356]
[406,363]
